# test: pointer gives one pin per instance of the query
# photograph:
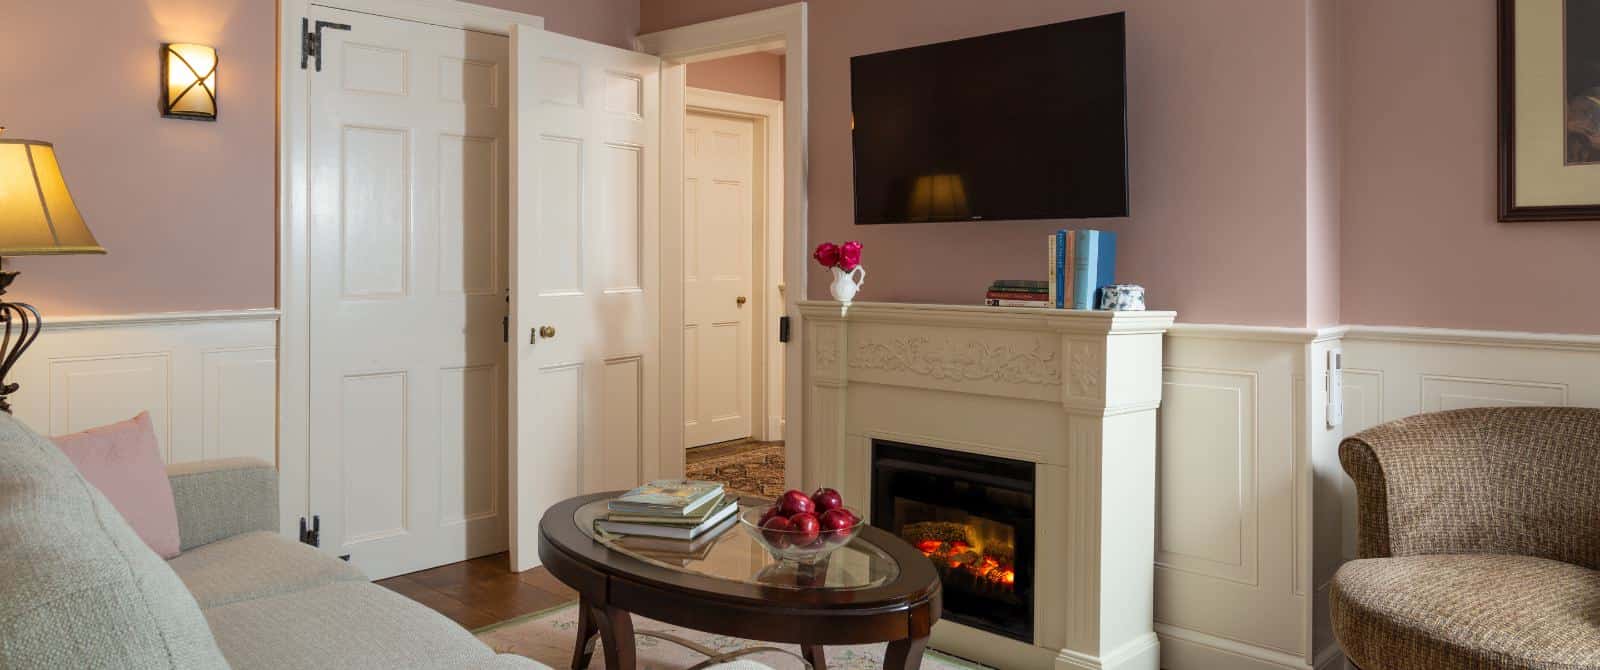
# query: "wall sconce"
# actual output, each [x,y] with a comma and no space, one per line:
[189,82]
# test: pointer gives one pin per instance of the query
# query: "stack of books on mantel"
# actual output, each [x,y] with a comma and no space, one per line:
[1018,293]
[682,510]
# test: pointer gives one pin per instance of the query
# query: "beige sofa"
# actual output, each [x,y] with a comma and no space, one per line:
[1479,538]
[80,590]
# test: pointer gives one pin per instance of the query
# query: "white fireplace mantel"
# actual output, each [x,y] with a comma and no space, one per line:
[1073,392]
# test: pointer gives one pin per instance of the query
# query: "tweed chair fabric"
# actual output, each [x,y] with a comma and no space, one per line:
[1479,531]
[1467,611]
[1494,480]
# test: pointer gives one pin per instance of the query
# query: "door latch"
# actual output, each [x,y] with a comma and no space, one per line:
[311,40]
[311,534]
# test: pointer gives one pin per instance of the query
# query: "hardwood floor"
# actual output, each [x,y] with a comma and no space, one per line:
[482,591]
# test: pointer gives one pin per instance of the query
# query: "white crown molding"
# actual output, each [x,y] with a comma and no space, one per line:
[156,319]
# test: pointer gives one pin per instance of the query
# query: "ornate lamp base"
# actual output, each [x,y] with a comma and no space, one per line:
[22,324]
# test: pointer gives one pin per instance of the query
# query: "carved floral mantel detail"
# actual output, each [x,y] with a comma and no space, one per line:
[966,360]
[1086,364]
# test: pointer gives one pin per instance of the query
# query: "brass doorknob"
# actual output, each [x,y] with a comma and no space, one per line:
[740,300]
[547,332]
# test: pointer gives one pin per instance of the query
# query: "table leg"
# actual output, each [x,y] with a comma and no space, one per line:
[905,654]
[813,655]
[616,634]
[583,650]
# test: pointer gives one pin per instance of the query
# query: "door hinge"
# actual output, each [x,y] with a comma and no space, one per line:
[311,534]
[505,328]
[783,329]
[311,40]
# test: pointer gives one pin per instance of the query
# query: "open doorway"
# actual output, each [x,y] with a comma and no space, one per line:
[756,239]
[733,292]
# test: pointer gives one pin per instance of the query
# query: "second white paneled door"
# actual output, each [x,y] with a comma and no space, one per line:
[719,249]
[585,305]
[408,167]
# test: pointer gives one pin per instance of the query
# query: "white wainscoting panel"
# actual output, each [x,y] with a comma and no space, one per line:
[208,379]
[1248,500]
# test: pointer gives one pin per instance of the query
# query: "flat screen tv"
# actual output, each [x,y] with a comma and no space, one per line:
[1026,124]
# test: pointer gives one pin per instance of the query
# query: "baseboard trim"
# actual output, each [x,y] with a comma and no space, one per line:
[1193,650]
[156,319]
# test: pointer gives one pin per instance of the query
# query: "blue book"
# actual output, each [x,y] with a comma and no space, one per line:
[1094,262]
[1058,277]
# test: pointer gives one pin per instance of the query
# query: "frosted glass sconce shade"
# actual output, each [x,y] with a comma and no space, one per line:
[189,82]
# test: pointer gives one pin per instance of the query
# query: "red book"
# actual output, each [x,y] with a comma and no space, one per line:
[1018,295]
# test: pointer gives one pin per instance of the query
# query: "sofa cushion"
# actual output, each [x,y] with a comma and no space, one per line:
[1467,610]
[123,461]
[342,625]
[256,565]
[79,589]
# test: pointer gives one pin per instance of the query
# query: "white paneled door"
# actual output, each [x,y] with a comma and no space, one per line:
[719,244]
[584,244]
[409,165]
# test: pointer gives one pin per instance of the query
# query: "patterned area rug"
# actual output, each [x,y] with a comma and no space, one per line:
[753,472]
[547,637]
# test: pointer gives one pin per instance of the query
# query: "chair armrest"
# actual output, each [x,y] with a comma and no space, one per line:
[1372,498]
[222,498]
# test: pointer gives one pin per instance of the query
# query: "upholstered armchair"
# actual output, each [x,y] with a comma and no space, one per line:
[1479,542]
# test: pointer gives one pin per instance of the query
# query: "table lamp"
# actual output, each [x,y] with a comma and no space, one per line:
[37,217]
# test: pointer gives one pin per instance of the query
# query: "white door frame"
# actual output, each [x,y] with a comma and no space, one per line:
[780,27]
[294,250]
[767,115]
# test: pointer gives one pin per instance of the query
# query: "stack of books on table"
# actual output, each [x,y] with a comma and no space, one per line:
[675,510]
[1018,293]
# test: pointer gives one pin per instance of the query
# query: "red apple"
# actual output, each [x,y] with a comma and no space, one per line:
[776,530]
[826,499]
[805,528]
[771,512]
[837,523]
[794,502]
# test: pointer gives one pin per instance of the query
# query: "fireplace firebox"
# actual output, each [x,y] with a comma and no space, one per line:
[973,517]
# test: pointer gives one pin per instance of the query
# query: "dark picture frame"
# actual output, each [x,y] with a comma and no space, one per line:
[1509,210]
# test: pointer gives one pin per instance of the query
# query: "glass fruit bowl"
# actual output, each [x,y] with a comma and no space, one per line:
[799,546]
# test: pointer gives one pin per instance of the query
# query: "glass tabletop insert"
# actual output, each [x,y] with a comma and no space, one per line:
[731,553]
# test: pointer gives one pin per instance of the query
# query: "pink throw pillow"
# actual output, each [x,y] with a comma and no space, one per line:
[124,462]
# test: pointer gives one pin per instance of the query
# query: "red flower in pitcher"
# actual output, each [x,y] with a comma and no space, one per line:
[827,254]
[849,255]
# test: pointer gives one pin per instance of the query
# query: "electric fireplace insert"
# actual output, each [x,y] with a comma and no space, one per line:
[973,517]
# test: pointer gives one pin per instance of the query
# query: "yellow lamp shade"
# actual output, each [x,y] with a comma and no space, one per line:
[939,197]
[37,215]
[190,75]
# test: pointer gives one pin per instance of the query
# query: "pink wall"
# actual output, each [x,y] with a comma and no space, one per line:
[757,74]
[1421,244]
[1218,94]
[187,210]
[1322,164]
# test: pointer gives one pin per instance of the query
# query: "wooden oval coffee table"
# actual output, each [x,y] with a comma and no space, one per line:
[876,589]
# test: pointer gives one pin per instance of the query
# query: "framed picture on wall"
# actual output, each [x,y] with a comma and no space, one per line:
[1549,110]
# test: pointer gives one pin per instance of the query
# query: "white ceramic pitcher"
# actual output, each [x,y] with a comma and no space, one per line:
[845,284]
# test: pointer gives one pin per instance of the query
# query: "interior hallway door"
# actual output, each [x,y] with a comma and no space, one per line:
[719,308]
[408,165]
